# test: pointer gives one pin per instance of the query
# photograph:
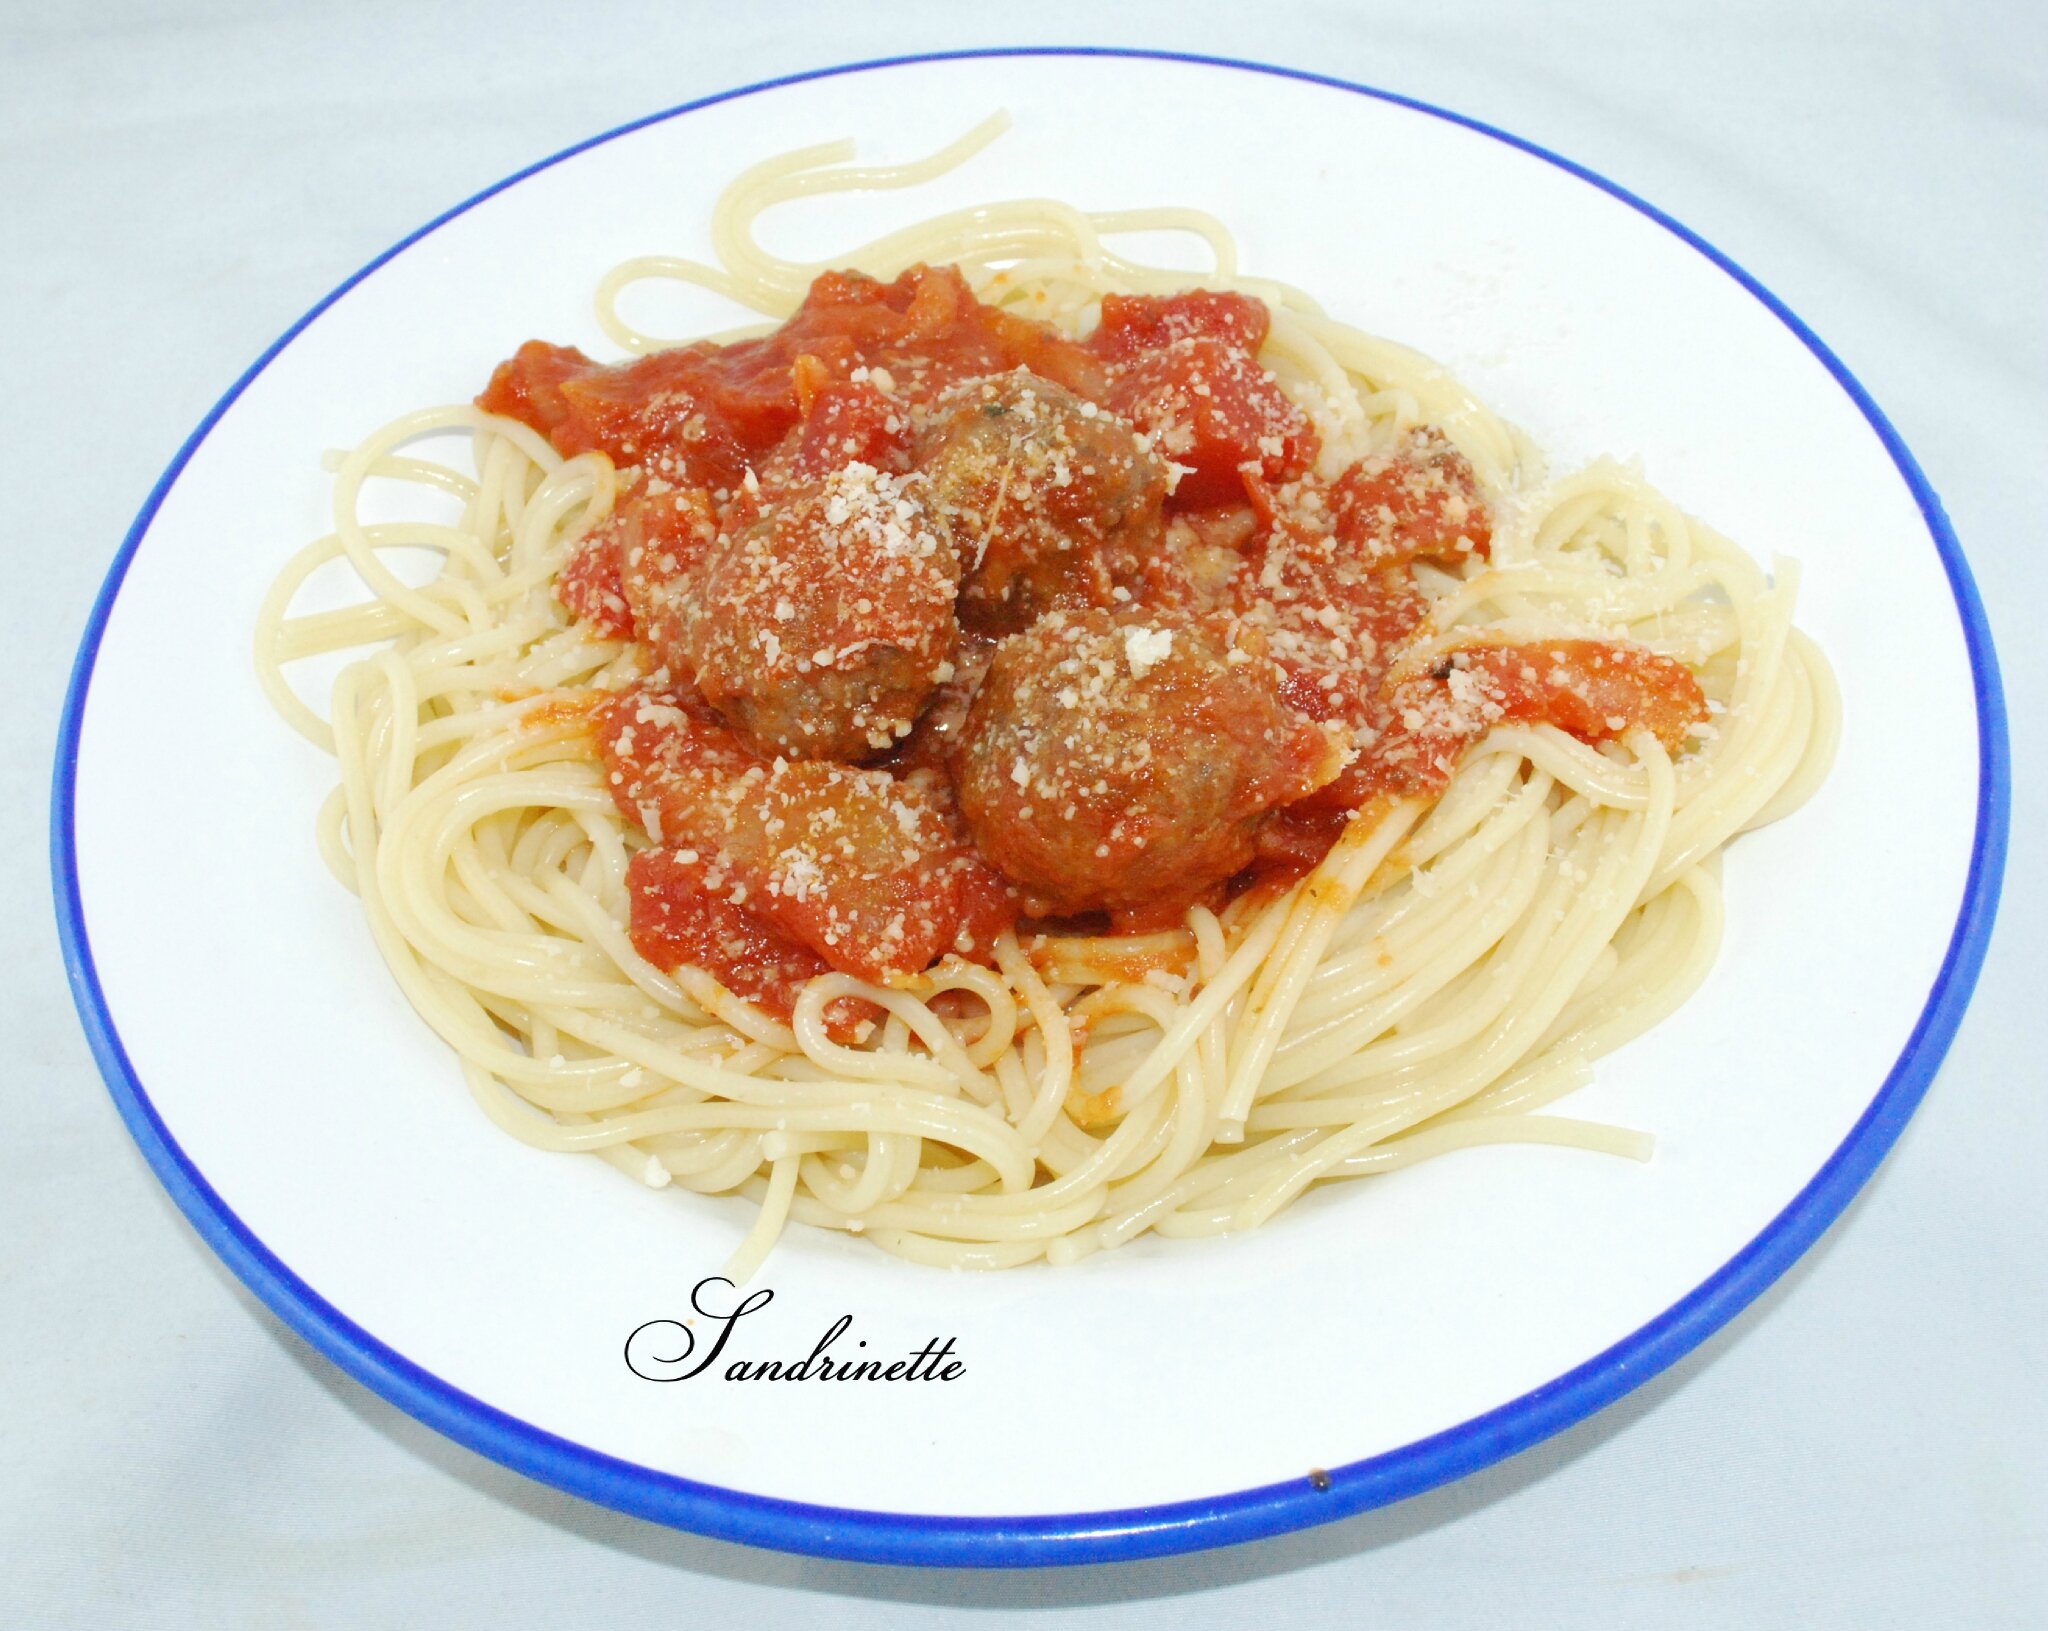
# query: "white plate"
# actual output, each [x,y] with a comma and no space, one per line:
[1172,1394]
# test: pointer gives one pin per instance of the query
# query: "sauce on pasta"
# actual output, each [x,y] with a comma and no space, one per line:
[1018,756]
[953,621]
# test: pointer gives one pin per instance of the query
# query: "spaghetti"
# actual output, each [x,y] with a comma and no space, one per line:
[1463,948]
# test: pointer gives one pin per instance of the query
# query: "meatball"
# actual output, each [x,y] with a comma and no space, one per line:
[1052,500]
[1127,765]
[820,630]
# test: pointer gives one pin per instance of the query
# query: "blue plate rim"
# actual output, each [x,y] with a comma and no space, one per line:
[1131,1533]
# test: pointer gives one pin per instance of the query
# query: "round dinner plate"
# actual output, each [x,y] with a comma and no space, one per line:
[1379,1338]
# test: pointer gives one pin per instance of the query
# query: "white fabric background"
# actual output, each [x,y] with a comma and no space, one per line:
[1866,1447]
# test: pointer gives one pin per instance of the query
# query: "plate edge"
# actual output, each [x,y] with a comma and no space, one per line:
[1132,1533]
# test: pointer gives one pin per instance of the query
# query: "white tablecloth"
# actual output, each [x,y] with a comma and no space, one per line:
[1866,1447]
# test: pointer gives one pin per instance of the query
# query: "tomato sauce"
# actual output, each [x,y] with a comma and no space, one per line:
[680,918]
[699,413]
[800,513]
[1595,690]
[593,586]
[865,869]
[1185,370]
